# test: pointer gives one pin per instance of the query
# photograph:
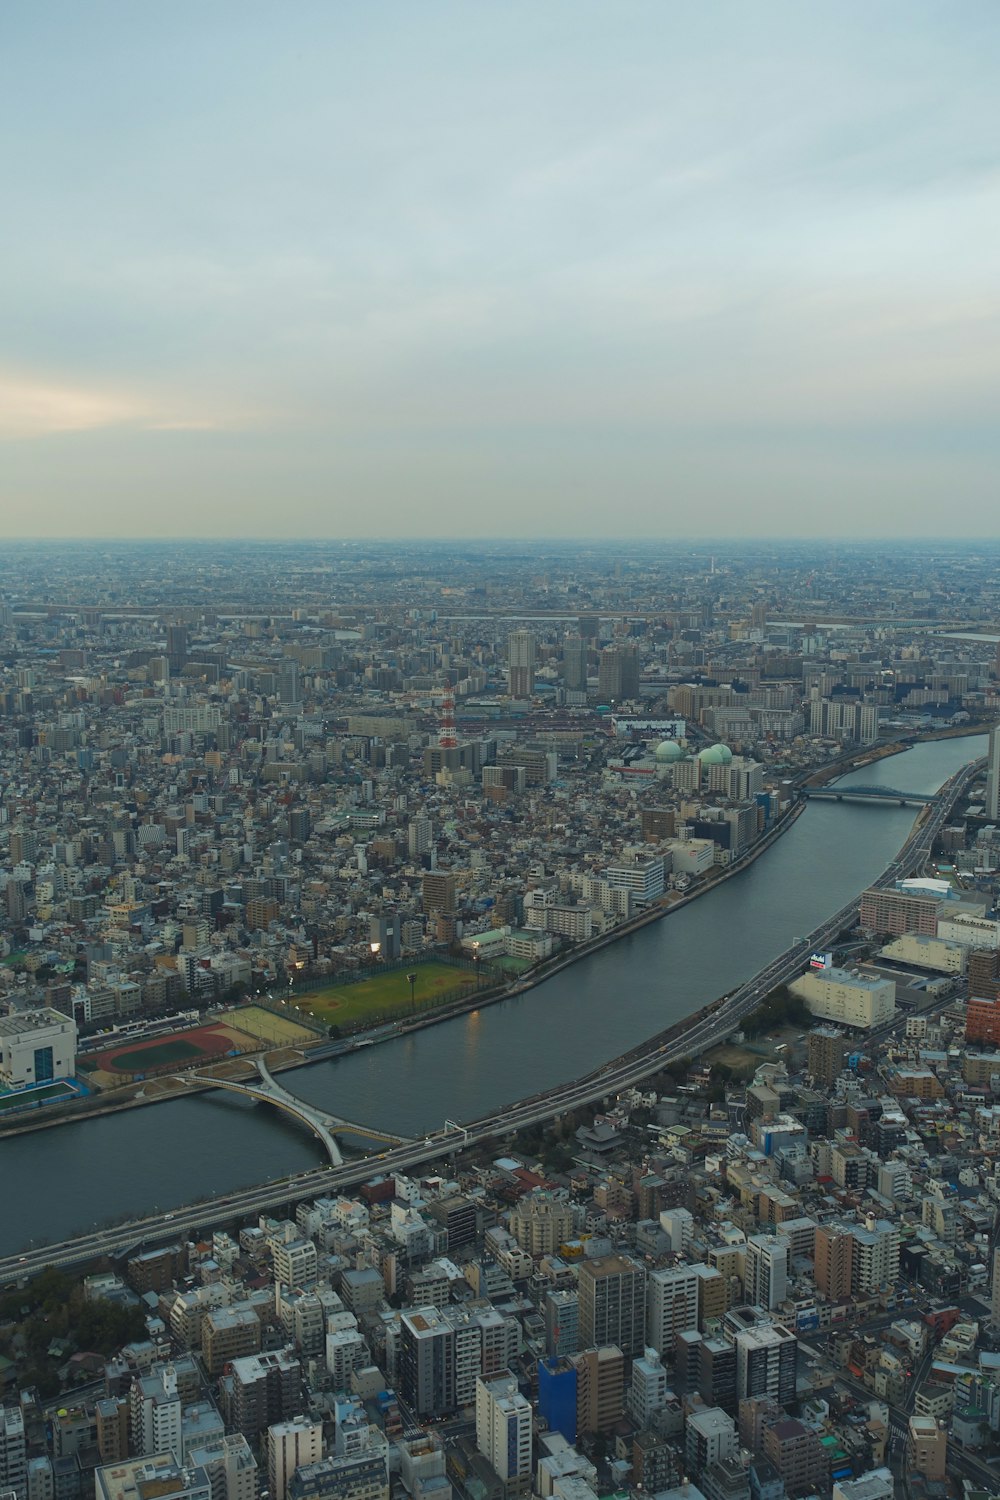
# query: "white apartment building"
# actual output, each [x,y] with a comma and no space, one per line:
[710,1437]
[648,1391]
[154,1412]
[503,1431]
[765,1277]
[13,1452]
[671,1306]
[296,1263]
[290,1444]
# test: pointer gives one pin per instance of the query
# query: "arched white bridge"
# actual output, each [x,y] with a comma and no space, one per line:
[325,1127]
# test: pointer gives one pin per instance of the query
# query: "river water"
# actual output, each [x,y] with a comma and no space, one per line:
[60,1182]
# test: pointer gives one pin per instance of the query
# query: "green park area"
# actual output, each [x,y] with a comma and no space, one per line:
[380,995]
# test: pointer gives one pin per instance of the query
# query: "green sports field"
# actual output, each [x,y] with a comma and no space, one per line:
[383,994]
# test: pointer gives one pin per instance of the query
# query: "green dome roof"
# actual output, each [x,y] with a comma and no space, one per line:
[716,755]
[668,750]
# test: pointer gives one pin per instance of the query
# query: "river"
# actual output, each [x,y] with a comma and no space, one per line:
[67,1180]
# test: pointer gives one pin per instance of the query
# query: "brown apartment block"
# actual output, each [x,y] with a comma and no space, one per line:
[797,1454]
[600,1388]
[833,1263]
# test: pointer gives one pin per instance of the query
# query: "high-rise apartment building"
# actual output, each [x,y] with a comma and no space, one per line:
[521,646]
[155,1414]
[875,1255]
[562,1322]
[671,1306]
[833,1262]
[826,1054]
[600,1388]
[13,1452]
[574,654]
[766,1358]
[618,673]
[289,1445]
[993,775]
[503,1431]
[612,1293]
[710,1438]
[267,1388]
[765,1277]
[541,1222]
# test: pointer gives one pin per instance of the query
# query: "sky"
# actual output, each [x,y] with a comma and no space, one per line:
[323,269]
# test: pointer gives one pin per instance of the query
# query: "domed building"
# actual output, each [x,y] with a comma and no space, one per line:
[716,755]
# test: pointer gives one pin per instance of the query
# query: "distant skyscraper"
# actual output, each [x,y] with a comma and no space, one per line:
[574,663]
[993,775]
[521,663]
[177,646]
[618,674]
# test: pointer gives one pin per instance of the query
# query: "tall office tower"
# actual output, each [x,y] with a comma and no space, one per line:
[618,673]
[612,1293]
[765,1279]
[993,775]
[995,1298]
[288,683]
[671,1306]
[177,646]
[834,1258]
[521,663]
[574,655]
[589,627]
[766,1358]
[503,1431]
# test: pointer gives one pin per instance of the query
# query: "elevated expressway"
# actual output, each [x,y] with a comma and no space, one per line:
[705,1030]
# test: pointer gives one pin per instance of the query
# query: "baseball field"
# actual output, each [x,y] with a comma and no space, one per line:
[385,994]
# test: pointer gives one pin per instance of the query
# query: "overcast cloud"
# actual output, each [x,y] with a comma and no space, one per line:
[482,269]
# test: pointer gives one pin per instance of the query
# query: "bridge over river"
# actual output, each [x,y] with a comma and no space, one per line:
[850,792]
[324,1126]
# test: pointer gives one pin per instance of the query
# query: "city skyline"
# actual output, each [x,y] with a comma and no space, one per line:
[475,271]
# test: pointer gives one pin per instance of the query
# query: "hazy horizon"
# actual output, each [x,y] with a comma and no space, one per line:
[581,270]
